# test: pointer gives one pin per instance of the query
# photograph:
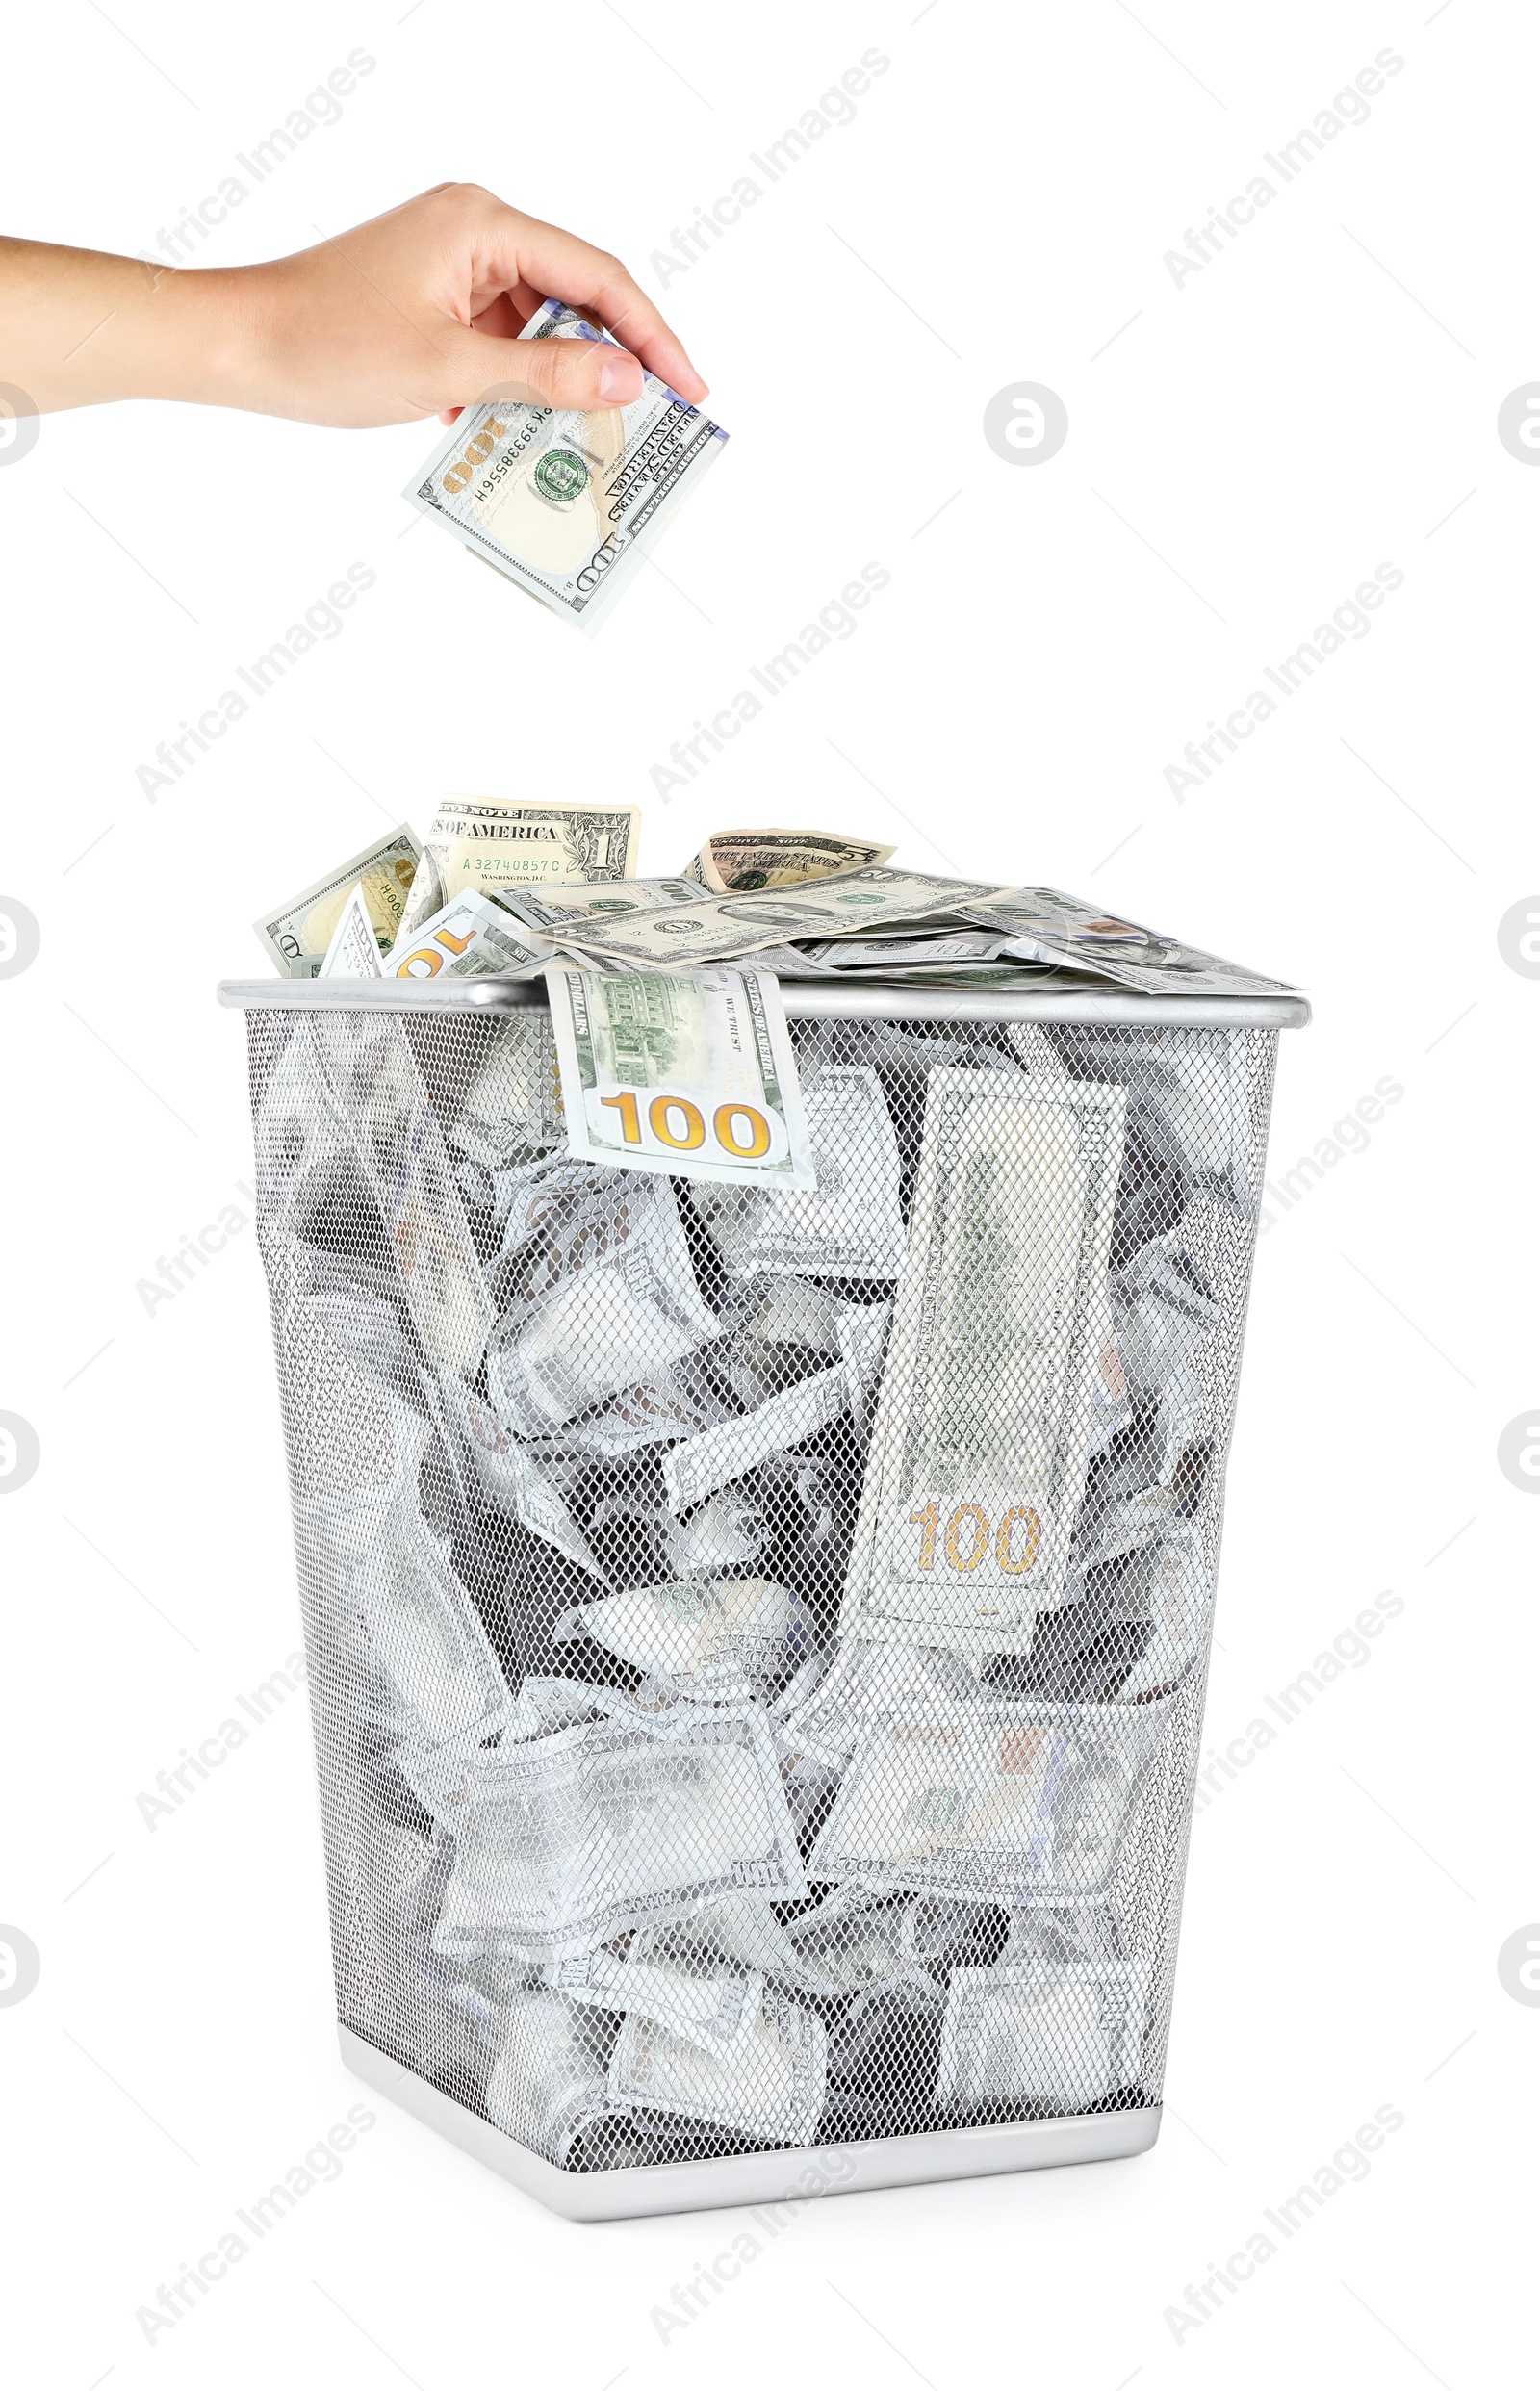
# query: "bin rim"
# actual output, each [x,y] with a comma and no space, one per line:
[804,1000]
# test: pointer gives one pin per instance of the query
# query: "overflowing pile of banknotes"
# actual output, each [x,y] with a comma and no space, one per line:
[756,1617]
[503,888]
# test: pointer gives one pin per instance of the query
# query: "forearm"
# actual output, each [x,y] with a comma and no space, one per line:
[78,327]
[416,313]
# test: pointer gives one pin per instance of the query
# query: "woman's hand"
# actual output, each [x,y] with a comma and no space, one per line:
[414,314]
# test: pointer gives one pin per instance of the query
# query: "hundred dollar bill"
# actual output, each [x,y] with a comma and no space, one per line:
[971,946]
[716,2013]
[678,1402]
[1045,1934]
[777,859]
[561,1218]
[566,504]
[863,1331]
[544,1704]
[511,1112]
[866,1687]
[565,1841]
[987,1406]
[989,1800]
[769,2084]
[775,1324]
[717,927]
[467,939]
[1190,1092]
[514,1480]
[563,908]
[427,1637]
[694,1076]
[369,1327]
[703,1463]
[547,2084]
[377,1090]
[354,951]
[711,1639]
[299,1128]
[911,1942]
[849,1224]
[734,1931]
[617,1317]
[298,935]
[1163,1315]
[1068,2033]
[484,846]
[1181,1584]
[855,1941]
[974,975]
[724,1533]
[1064,929]
[789,963]
[1198,1090]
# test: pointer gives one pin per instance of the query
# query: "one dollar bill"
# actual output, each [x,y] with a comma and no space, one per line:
[296,935]
[490,846]
[693,1075]
[565,503]
[777,859]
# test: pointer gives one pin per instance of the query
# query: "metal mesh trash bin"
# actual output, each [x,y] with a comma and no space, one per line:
[757,1641]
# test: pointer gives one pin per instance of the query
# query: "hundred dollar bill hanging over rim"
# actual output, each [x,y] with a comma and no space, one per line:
[978,1454]
[298,934]
[565,502]
[716,928]
[777,859]
[691,1075]
[467,939]
[489,846]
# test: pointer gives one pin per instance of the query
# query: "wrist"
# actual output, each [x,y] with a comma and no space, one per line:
[203,336]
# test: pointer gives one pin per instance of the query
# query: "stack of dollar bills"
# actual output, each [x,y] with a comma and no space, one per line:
[767,1631]
[564,503]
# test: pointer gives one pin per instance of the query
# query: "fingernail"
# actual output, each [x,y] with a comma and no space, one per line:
[620,378]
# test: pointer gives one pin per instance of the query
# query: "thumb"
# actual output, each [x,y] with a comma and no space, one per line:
[582,375]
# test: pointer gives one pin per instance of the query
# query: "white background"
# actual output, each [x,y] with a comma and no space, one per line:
[1243,450]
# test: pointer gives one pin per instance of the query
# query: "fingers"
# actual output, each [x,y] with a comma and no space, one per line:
[511,248]
[584,374]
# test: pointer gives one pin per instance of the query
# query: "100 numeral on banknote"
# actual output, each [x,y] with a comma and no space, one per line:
[566,504]
[692,1074]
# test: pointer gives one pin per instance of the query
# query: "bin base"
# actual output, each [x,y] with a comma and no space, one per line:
[755,2177]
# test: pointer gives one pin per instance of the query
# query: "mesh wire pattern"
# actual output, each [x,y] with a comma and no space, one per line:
[758,1642]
